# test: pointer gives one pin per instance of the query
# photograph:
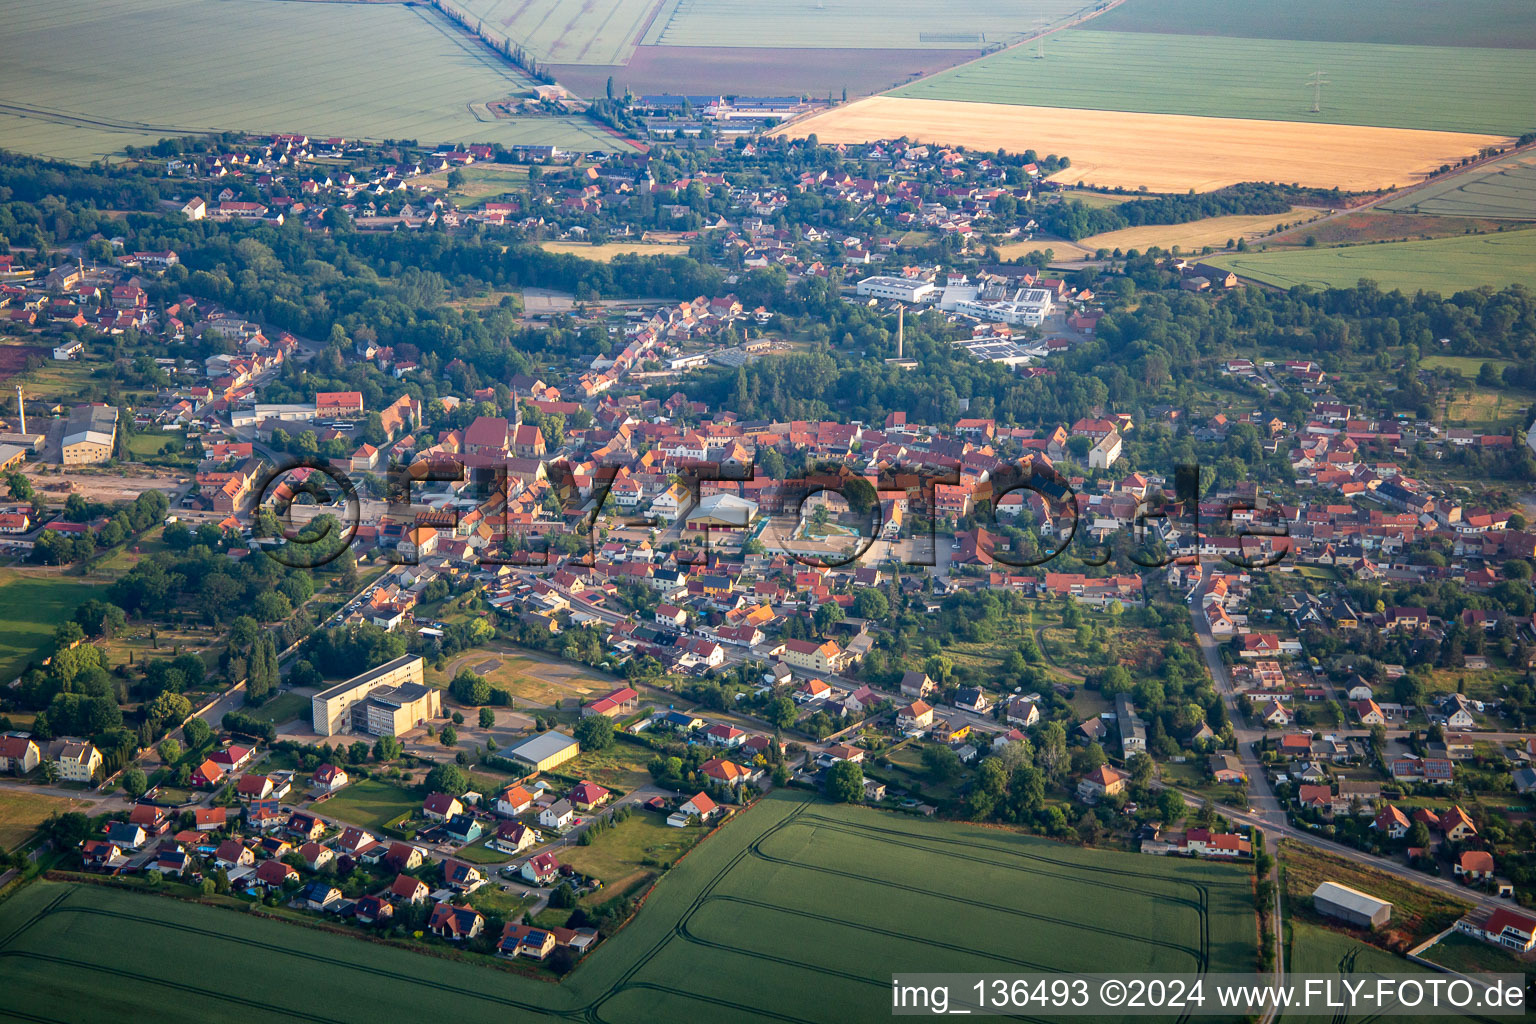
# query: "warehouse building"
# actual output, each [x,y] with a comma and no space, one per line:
[1351,906]
[544,751]
[383,701]
[89,435]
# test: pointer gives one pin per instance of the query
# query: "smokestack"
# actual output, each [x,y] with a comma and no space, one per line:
[21,409]
[900,331]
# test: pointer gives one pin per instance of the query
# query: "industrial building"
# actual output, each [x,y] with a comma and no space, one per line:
[89,435]
[1351,906]
[544,751]
[384,701]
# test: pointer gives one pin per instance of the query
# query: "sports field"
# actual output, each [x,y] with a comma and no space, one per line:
[1166,153]
[83,77]
[1504,189]
[588,32]
[1441,88]
[1509,23]
[1443,265]
[1215,231]
[900,24]
[32,604]
[796,905]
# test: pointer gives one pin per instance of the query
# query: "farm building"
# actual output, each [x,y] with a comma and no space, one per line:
[1351,905]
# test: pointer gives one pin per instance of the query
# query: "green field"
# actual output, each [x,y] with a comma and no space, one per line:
[1444,265]
[797,911]
[1433,87]
[819,24]
[1414,22]
[370,803]
[81,78]
[31,606]
[1504,189]
[594,32]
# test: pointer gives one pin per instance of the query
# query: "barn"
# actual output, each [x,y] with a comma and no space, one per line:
[1351,905]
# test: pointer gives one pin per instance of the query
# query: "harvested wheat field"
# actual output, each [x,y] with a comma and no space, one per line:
[1194,234]
[1164,152]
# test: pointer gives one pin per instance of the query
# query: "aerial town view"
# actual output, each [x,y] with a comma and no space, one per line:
[669,511]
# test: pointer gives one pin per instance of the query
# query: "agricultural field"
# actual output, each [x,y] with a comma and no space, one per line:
[1311,949]
[821,24]
[796,904]
[1378,225]
[359,70]
[22,812]
[608,250]
[593,32]
[1441,88]
[1473,23]
[1501,189]
[370,803]
[1443,265]
[32,604]
[1164,153]
[1213,231]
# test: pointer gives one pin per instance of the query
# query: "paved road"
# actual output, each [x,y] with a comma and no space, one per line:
[1260,795]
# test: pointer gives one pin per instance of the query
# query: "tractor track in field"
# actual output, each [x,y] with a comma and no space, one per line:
[1199,905]
[53,908]
[890,933]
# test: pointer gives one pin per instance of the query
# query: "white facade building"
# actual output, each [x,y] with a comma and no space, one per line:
[899,289]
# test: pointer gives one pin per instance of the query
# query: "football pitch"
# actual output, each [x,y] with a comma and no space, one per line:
[797,911]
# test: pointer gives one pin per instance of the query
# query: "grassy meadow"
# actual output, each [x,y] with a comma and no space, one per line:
[1428,87]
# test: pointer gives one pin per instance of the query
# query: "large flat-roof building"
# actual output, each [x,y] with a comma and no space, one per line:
[89,435]
[383,701]
[545,750]
[901,289]
[1351,905]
